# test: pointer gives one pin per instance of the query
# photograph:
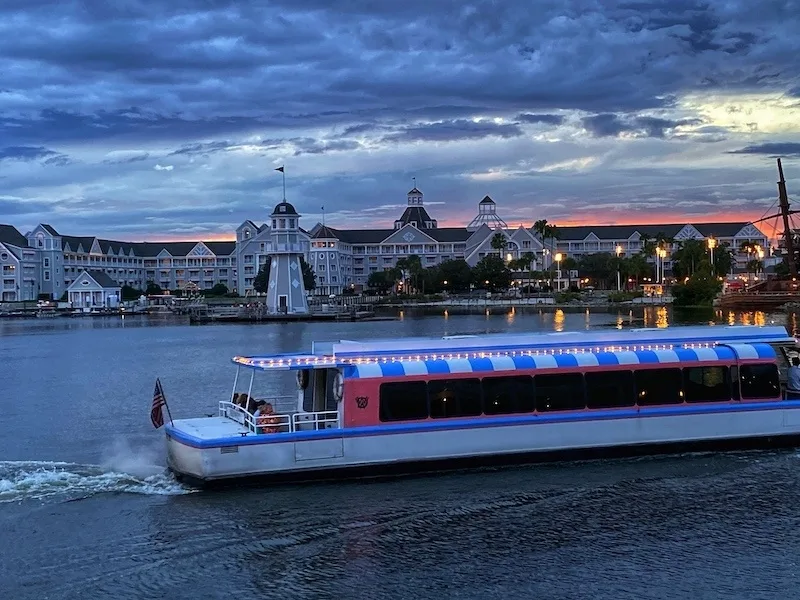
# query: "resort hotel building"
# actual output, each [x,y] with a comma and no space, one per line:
[45,262]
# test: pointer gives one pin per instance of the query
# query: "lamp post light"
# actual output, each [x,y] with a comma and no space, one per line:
[712,243]
[662,254]
[558,258]
[618,250]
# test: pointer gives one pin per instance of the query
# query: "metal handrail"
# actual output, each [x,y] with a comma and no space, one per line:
[283,423]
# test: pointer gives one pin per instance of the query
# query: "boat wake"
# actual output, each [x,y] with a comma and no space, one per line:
[62,481]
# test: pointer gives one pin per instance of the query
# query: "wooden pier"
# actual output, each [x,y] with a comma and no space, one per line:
[757,300]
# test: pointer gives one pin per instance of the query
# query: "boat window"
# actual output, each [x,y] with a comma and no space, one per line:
[508,395]
[403,401]
[760,381]
[563,391]
[455,398]
[609,389]
[706,384]
[658,386]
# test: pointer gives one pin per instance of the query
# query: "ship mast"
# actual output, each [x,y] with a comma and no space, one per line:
[783,199]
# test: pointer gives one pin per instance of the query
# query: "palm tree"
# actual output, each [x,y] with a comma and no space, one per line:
[499,243]
[525,261]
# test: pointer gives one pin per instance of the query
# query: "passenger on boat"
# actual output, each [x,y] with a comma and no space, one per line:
[793,379]
[267,421]
[259,406]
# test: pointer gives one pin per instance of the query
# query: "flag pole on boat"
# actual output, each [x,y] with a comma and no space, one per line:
[159,401]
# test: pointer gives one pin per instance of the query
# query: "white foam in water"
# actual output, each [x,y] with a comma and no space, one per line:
[122,471]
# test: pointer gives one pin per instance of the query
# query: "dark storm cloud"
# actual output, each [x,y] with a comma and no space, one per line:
[540,118]
[25,152]
[461,129]
[222,85]
[184,70]
[611,125]
[771,148]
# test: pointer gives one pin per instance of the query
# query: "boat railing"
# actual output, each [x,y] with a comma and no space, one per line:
[315,420]
[279,422]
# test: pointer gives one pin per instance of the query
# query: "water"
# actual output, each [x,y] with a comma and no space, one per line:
[87,509]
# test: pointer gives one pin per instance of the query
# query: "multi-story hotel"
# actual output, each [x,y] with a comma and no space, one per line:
[45,262]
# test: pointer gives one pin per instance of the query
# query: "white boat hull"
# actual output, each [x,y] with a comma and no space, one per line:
[384,450]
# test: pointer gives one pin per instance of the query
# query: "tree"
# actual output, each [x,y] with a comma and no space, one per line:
[456,273]
[309,278]
[689,258]
[699,290]
[600,267]
[261,282]
[219,289]
[569,264]
[381,281]
[637,267]
[491,268]
[723,260]
[130,293]
[499,243]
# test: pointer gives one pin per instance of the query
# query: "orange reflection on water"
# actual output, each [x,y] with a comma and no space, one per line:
[511,315]
[558,320]
[760,318]
[662,317]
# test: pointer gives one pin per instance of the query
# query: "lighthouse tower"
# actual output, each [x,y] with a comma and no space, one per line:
[286,293]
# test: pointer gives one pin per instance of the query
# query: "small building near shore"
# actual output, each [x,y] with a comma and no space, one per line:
[94,289]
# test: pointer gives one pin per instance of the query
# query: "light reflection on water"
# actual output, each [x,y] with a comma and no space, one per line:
[558,320]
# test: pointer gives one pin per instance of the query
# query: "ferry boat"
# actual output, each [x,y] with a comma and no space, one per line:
[386,407]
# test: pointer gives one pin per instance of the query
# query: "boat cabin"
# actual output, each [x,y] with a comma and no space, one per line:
[374,383]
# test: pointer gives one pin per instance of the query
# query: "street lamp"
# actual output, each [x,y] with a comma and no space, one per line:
[712,243]
[558,258]
[619,251]
[662,254]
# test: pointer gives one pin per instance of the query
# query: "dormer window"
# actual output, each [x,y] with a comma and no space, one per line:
[247,234]
[281,209]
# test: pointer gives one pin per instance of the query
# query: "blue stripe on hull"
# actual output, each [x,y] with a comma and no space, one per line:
[481,423]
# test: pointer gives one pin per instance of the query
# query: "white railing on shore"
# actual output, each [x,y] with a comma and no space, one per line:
[279,422]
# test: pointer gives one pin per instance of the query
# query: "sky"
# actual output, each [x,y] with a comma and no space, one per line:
[165,119]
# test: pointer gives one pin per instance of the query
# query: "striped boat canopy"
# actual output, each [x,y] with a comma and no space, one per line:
[439,366]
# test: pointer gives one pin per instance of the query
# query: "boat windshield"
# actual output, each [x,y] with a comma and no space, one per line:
[256,402]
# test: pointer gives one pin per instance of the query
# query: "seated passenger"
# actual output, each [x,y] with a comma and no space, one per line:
[267,421]
[235,399]
[259,406]
[793,380]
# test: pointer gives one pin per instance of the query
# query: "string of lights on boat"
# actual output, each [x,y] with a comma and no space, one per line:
[332,360]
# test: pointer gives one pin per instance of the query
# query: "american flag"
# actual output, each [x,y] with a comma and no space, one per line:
[159,401]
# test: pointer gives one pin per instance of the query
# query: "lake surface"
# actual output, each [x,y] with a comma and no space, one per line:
[87,510]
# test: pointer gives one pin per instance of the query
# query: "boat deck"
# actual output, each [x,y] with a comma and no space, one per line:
[234,421]
[209,428]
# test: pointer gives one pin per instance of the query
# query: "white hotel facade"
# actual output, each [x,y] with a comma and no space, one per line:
[45,262]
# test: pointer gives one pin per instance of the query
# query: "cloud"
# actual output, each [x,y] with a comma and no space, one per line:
[771,148]
[541,118]
[449,131]
[25,153]
[612,125]
[539,104]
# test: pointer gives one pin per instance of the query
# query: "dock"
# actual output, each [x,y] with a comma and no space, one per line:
[758,300]
[258,314]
